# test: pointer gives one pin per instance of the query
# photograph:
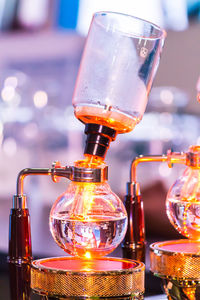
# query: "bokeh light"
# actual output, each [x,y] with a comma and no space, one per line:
[10,146]
[11,81]
[40,99]
[8,93]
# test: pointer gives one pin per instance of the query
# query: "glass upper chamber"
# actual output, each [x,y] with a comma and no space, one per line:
[118,65]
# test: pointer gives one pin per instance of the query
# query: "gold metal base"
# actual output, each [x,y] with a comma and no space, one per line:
[175,291]
[65,277]
[84,298]
[178,264]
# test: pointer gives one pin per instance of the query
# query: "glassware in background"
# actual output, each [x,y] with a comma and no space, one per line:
[183,199]
[118,66]
[33,14]
[156,11]
[8,9]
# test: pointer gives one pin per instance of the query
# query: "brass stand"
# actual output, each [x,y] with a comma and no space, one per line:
[72,298]
[72,278]
[178,264]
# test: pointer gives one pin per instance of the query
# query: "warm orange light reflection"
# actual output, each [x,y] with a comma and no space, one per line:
[198,97]
[88,255]
[90,161]
[106,116]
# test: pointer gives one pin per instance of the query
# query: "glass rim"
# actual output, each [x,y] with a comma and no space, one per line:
[162,33]
[135,266]
[158,248]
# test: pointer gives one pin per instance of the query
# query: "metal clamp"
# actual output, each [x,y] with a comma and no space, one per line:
[89,174]
[193,157]
[78,174]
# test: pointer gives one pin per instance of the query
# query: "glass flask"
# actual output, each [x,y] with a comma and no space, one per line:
[183,203]
[88,220]
[118,66]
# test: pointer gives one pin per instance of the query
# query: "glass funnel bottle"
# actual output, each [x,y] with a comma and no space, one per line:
[118,65]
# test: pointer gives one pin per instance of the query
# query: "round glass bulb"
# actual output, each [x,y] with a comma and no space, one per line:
[183,204]
[88,220]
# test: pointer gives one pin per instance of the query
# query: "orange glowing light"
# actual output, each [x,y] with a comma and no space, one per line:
[117,120]
[198,97]
[88,255]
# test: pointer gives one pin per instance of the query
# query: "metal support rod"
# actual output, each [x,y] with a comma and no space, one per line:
[20,248]
[171,158]
[27,172]
[140,159]
[79,174]
[134,242]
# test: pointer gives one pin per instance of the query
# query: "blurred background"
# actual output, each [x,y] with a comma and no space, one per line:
[41,42]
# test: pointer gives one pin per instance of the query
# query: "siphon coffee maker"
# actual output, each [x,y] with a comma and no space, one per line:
[177,261]
[88,221]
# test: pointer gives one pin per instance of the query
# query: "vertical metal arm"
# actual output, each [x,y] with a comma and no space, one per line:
[134,242]
[20,250]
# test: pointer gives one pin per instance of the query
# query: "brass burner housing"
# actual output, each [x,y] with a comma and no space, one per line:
[71,277]
[177,263]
